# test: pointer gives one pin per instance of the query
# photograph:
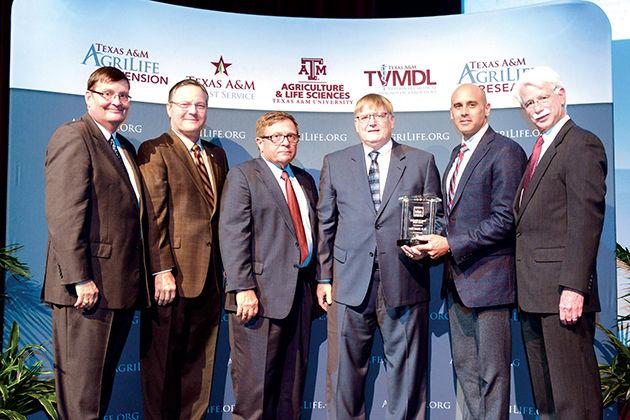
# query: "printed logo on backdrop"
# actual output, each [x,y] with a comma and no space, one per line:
[494,76]
[138,65]
[402,79]
[222,83]
[312,87]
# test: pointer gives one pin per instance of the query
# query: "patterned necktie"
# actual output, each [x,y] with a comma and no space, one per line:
[205,178]
[533,162]
[374,178]
[296,216]
[452,187]
[112,144]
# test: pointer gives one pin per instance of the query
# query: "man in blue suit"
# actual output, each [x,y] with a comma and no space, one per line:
[365,280]
[479,186]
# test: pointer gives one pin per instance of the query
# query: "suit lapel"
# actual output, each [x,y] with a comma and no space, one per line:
[454,154]
[106,150]
[310,197]
[359,172]
[267,178]
[480,152]
[183,154]
[541,168]
[397,167]
[214,172]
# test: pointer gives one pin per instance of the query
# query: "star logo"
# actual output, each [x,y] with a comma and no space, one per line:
[221,66]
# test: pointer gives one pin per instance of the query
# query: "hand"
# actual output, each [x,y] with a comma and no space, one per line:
[165,289]
[435,246]
[246,305]
[324,295]
[412,252]
[87,295]
[570,307]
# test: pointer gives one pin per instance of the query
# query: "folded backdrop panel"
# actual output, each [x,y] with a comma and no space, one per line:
[316,69]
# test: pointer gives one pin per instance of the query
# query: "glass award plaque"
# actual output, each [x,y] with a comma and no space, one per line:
[418,217]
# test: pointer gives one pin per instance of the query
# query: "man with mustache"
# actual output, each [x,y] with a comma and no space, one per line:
[559,210]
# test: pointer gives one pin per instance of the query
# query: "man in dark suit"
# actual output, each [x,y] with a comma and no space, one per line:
[559,212]
[267,230]
[365,281]
[183,176]
[479,186]
[95,274]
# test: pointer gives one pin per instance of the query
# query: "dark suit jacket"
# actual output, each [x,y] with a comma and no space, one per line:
[182,223]
[94,219]
[559,222]
[258,241]
[480,225]
[351,230]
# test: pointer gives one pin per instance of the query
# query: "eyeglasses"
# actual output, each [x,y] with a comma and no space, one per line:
[108,95]
[185,105]
[278,138]
[542,100]
[379,117]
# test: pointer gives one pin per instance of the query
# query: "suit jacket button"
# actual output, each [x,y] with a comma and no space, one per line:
[378,227]
[371,254]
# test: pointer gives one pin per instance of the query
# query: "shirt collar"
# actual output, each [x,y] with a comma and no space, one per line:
[105,132]
[276,170]
[474,140]
[187,142]
[552,132]
[386,148]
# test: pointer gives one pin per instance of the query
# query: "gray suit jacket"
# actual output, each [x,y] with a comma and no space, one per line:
[351,231]
[258,242]
[559,221]
[94,219]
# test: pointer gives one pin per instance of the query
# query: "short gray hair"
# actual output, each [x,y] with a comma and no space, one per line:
[537,76]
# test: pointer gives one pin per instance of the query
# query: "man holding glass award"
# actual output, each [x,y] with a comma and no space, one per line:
[365,280]
[479,186]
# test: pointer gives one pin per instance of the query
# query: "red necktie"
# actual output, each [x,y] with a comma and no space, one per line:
[453,184]
[205,178]
[294,209]
[533,161]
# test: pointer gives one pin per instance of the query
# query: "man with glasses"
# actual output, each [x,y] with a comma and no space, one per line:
[365,281]
[183,176]
[95,274]
[268,230]
[559,210]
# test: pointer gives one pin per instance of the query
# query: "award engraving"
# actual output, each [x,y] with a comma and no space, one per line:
[418,217]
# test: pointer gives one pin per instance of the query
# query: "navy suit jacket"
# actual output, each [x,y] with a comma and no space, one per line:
[258,241]
[351,231]
[480,225]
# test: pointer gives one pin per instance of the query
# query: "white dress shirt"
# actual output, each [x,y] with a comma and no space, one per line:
[383,158]
[125,158]
[471,144]
[302,202]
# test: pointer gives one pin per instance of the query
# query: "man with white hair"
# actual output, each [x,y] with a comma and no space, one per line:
[559,210]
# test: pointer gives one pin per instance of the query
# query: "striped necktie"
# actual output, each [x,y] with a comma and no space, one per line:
[205,178]
[374,179]
[453,184]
